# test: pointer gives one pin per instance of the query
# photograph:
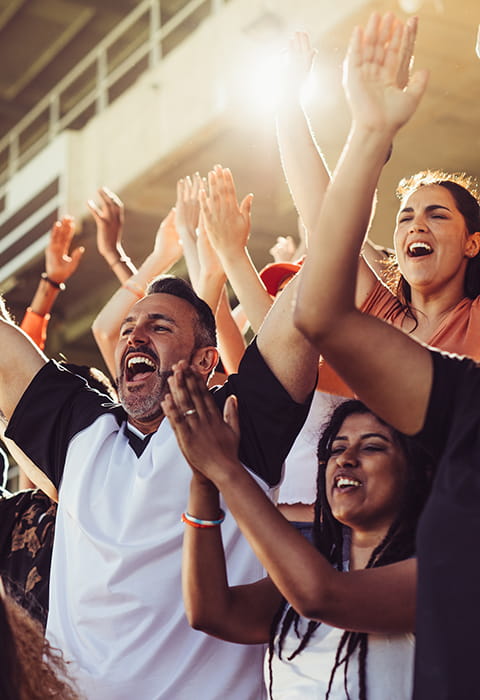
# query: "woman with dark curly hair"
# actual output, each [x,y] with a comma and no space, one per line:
[339,615]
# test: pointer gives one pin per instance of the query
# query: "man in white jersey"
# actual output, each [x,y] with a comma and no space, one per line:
[115,598]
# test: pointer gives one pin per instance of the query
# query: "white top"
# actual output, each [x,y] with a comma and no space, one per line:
[299,483]
[135,540]
[389,667]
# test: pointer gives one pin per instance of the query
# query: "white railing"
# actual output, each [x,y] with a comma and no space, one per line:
[51,116]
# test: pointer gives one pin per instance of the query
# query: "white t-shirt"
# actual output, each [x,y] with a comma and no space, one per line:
[389,667]
[299,483]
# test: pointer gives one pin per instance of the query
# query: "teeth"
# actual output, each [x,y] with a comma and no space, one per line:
[343,481]
[417,249]
[140,360]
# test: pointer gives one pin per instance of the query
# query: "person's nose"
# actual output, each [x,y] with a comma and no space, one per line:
[348,458]
[137,336]
[418,224]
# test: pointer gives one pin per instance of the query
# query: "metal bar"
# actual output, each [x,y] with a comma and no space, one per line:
[27,224]
[101,87]
[155,22]
[105,79]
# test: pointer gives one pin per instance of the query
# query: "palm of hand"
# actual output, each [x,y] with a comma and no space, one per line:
[228,225]
[59,265]
[377,83]
[187,215]
[376,101]
[300,57]
[237,226]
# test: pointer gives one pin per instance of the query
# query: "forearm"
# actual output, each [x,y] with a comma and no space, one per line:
[231,342]
[240,614]
[305,169]
[204,576]
[246,283]
[35,320]
[119,262]
[106,326]
[330,270]
[209,287]
[44,298]
[190,254]
[152,266]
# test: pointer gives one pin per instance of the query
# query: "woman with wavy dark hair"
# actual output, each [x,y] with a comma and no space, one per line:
[436,272]
[436,267]
[339,615]
[31,668]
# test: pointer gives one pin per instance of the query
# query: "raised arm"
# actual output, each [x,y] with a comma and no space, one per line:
[241,614]
[60,264]
[227,222]
[388,370]
[166,251]
[212,288]
[109,217]
[205,269]
[378,600]
[303,163]
[187,212]
[20,360]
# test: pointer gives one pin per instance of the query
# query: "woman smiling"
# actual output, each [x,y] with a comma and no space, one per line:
[324,608]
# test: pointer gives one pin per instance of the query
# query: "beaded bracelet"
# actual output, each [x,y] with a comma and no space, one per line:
[197,522]
[58,285]
[134,288]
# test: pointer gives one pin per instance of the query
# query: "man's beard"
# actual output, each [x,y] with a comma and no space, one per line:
[144,406]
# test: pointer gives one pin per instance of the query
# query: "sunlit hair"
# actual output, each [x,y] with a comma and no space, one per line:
[31,668]
[4,312]
[464,190]
[331,538]
[205,328]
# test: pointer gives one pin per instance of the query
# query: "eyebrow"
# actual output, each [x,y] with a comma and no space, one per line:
[152,317]
[430,208]
[364,436]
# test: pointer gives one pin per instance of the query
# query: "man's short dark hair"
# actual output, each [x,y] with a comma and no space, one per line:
[205,327]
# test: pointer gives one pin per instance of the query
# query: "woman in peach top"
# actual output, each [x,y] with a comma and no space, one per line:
[437,243]
[436,235]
